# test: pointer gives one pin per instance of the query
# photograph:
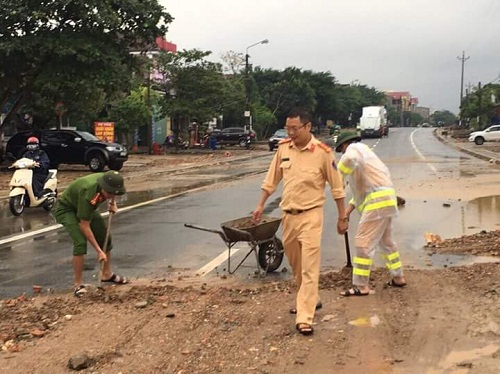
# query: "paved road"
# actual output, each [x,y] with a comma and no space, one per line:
[152,239]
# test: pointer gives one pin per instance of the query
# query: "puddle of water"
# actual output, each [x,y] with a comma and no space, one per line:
[465,358]
[483,212]
[449,260]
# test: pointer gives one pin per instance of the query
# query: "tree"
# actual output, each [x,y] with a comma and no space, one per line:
[443,118]
[264,121]
[129,114]
[479,105]
[193,87]
[416,118]
[76,52]
[282,91]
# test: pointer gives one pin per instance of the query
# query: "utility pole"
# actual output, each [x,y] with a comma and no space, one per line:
[463,59]
[248,115]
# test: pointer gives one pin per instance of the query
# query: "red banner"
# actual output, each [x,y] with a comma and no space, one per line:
[105,131]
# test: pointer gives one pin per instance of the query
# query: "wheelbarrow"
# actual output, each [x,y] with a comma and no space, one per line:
[268,249]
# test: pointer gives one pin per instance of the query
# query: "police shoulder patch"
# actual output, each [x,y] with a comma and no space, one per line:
[284,141]
[96,199]
[324,147]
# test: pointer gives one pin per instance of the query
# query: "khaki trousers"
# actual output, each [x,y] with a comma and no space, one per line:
[302,242]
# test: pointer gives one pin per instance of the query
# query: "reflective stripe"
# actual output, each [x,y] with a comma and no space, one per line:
[392,256]
[380,204]
[376,195]
[394,266]
[361,272]
[362,261]
[344,169]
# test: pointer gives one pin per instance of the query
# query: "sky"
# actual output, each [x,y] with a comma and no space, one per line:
[397,45]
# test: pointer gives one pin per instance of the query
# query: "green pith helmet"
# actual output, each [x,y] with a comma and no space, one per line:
[345,137]
[112,183]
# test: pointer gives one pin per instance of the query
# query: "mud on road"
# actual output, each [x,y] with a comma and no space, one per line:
[145,172]
[445,321]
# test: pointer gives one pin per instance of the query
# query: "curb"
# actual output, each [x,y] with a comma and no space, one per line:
[481,155]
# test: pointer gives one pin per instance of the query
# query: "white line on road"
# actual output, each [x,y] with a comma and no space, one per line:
[216,262]
[432,167]
[30,234]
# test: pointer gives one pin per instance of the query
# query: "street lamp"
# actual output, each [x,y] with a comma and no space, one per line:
[248,116]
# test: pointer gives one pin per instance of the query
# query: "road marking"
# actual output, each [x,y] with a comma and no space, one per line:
[432,167]
[29,234]
[124,209]
[204,270]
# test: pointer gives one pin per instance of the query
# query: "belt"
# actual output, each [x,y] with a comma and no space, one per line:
[294,212]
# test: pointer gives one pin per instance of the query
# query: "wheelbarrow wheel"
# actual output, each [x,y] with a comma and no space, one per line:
[271,255]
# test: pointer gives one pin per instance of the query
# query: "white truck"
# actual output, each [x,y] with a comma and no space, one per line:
[373,122]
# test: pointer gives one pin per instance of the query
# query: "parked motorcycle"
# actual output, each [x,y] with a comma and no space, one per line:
[21,190]
[248,142]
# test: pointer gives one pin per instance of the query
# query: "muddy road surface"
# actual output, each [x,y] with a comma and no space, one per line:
[446,320]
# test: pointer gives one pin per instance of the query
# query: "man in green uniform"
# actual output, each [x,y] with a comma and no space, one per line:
[77,211]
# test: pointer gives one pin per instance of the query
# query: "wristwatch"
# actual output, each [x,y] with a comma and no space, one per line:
[345,219]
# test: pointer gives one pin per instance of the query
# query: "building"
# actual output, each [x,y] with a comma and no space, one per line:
[403,104]
[424,112]
[401,100]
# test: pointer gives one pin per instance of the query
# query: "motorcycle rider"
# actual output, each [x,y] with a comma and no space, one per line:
[42,162]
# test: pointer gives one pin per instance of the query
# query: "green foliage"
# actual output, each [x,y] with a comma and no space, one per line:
[76,52]
[445,118]
[130,113]
[265,122]
[194,85]
[478,107]
[416,119]
[319,93]
[282,91]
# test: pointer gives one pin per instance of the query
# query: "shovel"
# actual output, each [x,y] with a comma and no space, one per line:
[105,248]
[347,251]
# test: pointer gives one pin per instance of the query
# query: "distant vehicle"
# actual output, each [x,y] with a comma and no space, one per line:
[425,125]
[71,147]
[275,139]
[491,134]
[235,136]
[373,122]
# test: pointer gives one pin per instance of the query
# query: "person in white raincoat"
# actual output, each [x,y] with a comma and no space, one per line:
[374,196]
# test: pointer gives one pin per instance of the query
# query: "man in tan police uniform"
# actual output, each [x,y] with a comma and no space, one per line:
[305,165]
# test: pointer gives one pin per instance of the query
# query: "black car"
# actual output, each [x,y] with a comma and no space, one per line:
[233,136]
[71,147]
[275,139]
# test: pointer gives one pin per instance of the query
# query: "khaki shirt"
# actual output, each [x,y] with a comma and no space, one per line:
[304,173]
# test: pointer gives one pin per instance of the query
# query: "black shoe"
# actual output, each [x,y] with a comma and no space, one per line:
[47,193]
[318,306]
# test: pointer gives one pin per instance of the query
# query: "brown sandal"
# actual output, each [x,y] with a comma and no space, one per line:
[116,279]
[356,292]
[304,328]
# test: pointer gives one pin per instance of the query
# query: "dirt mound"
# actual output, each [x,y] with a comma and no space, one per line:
[484,243]
[186,328]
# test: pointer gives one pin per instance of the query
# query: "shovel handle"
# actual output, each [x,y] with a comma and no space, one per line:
[105,245]
[347,250]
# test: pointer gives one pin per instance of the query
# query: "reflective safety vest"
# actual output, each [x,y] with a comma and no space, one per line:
[369,179]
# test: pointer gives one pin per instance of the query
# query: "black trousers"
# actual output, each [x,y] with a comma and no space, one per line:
[38,182]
